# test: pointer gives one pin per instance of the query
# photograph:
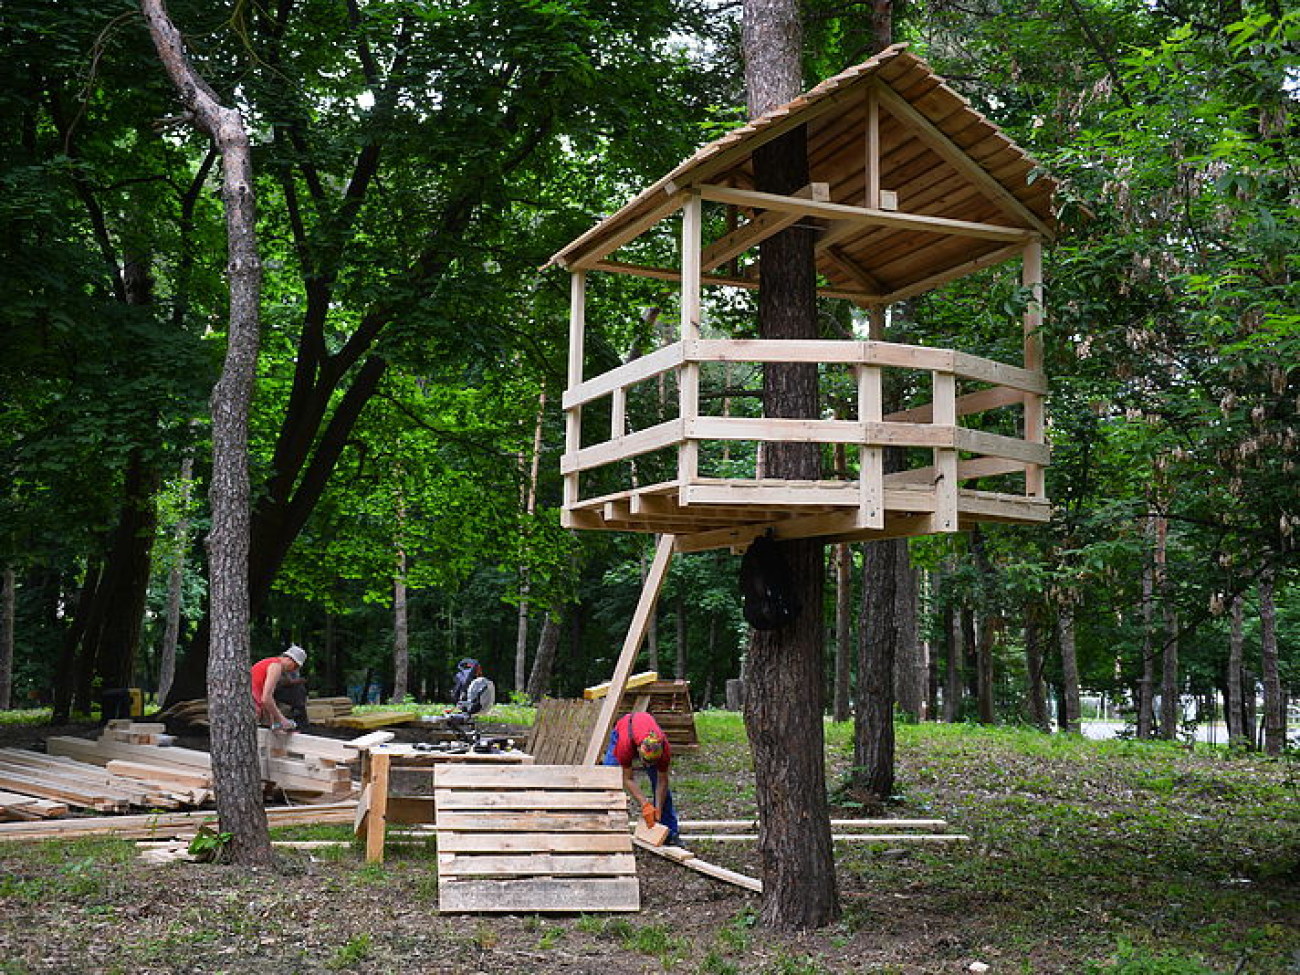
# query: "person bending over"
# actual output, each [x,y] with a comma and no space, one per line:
[266,675]
[637,741]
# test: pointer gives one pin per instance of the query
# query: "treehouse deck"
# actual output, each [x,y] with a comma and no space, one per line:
[910,188]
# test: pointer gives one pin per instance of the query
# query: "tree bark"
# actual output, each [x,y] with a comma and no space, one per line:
[175,585]
[8,590]
[548,645]
[236,774]
[843,557]
[525,582]
[784,690]
[1274,700]
[1169,656]
[1146,719]
[1037,691]
[1069,669]
[1234,711]
[401,633]
[952,684]
[911,664]
[873,731]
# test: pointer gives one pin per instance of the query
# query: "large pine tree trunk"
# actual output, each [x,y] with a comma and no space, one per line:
[784,691]
[1070,711]
[1274,700]
[843,557]
[236,774]
[1037,690]
[911,665]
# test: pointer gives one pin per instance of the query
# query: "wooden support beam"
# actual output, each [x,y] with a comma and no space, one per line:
[764,225]
[631,647]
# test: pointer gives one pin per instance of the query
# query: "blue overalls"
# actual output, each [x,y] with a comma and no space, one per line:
[667,815]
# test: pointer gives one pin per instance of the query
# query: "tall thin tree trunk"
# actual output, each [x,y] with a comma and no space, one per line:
[525,580]
[8,591]
[1274,701]
[1069,668]
[1234,711]
[679,671]
[784,691]
[952,684]
[843,557]
[1146,718]
[237,780]
[401,633]
[548,644]
[873,739]
[911,666]
[1034,667]
[1169,656]
[175,584]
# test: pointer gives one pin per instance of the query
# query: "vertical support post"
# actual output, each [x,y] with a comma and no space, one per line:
[688,377]
[1032,278]
[871,459]
[945,458]
[377,816]
[873,150]
[654,582]
[573,415]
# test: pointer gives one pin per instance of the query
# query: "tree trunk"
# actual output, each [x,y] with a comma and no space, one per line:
[784,692]
[1069,669]
[1169,656]
[525,582]
[986,633]
[236,775]
[401,634]
[1234,711]
[175,585]
[843,557]
[873,731]
[1146,718]
[952,684]
[1274,700]
[911,666]
[679,671]
[8,590]
[548,644]
[1037,690]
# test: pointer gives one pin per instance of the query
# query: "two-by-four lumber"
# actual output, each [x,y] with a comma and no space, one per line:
[166,824]
[16,806]
[692,862]
[636,680]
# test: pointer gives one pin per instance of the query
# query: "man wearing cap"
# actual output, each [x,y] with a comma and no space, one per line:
[637,739]
[266,675]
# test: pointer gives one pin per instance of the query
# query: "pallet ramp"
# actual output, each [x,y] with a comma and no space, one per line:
[533,838]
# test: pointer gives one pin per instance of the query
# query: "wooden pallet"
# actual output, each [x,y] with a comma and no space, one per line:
[533,838]
[560,731]
[670,703]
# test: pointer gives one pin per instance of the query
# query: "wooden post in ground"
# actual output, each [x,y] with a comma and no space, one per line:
[631,646]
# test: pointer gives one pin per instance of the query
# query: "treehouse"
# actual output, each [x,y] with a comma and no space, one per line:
[910,188]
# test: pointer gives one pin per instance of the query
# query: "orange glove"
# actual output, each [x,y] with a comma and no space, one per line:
[648,814]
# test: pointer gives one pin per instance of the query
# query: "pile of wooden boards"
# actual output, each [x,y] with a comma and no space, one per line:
[113,788]
[530,838]
[323,711]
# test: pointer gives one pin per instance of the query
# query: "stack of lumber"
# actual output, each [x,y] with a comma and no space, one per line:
[16,806]
[530,838]
[160,825]
[305,765]
[375,719]
[324,711]
[88,786]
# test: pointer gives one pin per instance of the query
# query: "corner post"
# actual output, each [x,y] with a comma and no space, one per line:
[688,381]
[573,415]
[1032,278]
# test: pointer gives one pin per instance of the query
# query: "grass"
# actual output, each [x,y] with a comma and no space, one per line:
[1100,858]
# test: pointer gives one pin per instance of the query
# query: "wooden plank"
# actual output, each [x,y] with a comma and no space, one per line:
[616,841]
[503,821]
[486,777]
[631,647]
[839,838]
[691,862]
[101,752]
[164,824]
[376,719]
[161,775]
[670,433]
[866,217]
[526,799]
[537,864]
[376,818]
[636,680]
[31,807]
[718,280]
[369,741]
[752,824]
[537,894]
[628,374]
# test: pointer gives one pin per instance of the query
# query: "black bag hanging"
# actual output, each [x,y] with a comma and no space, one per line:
[766,584]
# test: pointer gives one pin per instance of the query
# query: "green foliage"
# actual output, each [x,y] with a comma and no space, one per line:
[209,843]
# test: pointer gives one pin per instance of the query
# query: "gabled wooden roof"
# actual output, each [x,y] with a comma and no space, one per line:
[942,158]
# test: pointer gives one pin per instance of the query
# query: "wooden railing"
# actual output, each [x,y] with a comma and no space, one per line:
[959,453]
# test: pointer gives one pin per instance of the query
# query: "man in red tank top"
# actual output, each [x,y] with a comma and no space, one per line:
[265,676]
[637,740]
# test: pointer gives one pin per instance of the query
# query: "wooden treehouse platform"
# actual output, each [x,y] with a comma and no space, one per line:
[910,188]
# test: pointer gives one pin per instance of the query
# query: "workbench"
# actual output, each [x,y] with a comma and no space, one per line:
[397,787]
